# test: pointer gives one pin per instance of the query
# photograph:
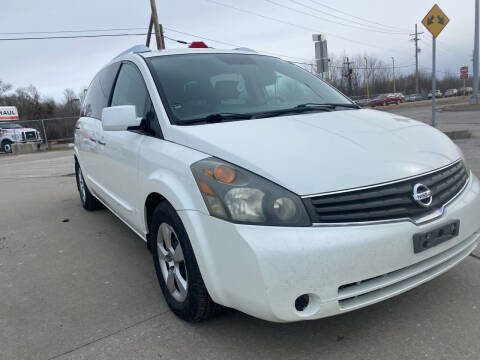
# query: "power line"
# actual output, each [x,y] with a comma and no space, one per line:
[69,37]
[325,19]
[135,34]
[374,27]
[118,35]
[298,26]
[230,44]
[175,40]
[73,31]
[356,17]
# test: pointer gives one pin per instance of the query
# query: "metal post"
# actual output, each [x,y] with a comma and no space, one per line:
[393,68]
[149,34]
[44,133]
[434,80]
[366,78]
[474,99]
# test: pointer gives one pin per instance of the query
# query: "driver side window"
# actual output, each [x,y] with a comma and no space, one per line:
[131,90]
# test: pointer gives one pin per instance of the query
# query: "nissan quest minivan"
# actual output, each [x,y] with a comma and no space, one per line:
[260,187]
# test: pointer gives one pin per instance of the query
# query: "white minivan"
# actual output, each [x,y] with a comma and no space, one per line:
[260,187]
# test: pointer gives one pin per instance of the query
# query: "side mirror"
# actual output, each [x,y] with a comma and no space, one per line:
[120,118]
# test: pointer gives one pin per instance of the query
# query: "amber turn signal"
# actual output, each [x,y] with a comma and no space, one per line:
[206,189]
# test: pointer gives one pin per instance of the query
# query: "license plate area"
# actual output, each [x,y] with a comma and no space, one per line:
[429,239]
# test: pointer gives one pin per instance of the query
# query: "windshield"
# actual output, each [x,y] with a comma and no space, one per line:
[195,86]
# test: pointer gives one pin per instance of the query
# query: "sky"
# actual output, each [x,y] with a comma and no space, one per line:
[352,27]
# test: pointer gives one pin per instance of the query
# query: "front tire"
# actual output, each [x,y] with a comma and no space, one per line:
[177,269]
[89,202]
[7,146]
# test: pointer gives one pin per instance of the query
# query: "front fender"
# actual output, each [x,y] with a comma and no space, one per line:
[182,194]
[164,168]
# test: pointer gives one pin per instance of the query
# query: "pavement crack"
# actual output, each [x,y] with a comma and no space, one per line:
[108,335]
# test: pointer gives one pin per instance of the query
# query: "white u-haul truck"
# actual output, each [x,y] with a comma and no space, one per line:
[12,132]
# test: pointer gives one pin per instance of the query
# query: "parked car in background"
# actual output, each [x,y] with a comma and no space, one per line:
[362,102]
[11,133]
[465,91]
[400,96]
[438,94]
[260,187]
[451,92]
[386,99]
[414,97]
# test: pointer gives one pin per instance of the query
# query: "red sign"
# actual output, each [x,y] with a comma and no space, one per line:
[464,69]
[463,76]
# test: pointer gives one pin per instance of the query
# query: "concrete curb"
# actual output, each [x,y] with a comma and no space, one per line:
[458,134]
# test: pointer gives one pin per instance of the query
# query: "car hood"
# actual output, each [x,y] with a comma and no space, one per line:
[322,152]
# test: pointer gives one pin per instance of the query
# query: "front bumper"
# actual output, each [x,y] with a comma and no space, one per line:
[262,270]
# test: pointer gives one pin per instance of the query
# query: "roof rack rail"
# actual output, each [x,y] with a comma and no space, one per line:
[245,49]
[134,50]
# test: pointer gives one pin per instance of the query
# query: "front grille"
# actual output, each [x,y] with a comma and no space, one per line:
[390,201]
[30,135]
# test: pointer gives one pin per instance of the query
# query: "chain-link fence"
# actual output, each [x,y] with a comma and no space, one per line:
[52,131]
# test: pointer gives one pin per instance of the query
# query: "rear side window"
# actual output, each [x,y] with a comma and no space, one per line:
[99,91]
[130,89]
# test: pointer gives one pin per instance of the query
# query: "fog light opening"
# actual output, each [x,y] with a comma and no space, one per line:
[301,302]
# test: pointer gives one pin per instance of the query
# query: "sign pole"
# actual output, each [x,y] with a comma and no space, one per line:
[435,21]
[434,80]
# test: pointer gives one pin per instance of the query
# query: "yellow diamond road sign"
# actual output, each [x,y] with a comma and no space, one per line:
[435,20]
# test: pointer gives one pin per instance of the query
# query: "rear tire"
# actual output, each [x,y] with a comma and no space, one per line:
[7,146]
[177,269]
[89,202]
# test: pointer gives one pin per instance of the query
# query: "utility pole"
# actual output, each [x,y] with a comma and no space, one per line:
[349,76]
[474,99]
[366,78]
[417,50]
[158,28]
[393,69]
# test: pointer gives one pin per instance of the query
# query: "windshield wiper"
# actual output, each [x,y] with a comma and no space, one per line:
[215,118]
[299,109]
[330,105]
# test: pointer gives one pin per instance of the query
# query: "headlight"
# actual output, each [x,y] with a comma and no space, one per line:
[237,195]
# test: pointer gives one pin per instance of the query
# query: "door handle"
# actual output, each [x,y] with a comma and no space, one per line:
[93,139]
[101,143]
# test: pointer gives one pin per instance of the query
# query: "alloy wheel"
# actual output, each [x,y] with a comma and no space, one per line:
[172,262]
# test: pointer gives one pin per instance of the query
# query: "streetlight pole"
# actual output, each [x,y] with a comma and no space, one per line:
[393,68]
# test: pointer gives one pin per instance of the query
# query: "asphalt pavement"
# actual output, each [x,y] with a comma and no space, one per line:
[81,285]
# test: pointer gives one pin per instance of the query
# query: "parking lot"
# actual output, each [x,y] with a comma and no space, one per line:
[81,285]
